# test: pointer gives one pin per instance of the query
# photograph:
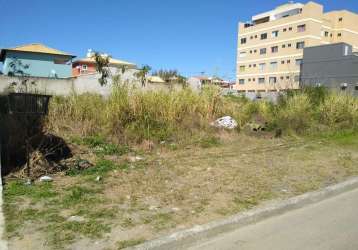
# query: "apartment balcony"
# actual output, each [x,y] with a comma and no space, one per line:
[281,12]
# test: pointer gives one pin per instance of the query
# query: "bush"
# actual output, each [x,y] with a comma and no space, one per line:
[339,111]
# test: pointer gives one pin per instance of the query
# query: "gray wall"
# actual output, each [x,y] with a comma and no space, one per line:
[331,66]
[79,85]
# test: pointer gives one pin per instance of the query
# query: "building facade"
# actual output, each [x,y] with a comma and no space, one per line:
[87,65]
[197,82]
[334,66]
[270,47]
[36,60]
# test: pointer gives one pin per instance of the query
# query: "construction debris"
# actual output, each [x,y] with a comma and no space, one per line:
[46,179]
[225,122]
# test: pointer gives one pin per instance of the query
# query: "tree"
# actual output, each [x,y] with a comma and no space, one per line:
[142,74]
[171,75]
[17,68]
[102,67]
[24,84]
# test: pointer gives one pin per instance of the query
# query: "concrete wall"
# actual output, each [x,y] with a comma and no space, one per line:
[79,85]
[331,66]
[194,83]
[37,64]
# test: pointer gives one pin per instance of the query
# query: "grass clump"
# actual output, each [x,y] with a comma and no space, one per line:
[210,141]
[79,196]
[129,243]
[100,145]
[15,189]
[101,168]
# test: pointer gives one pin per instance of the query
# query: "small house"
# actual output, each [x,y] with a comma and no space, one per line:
[87,65]
[197,82]
[155,79]
[36,60]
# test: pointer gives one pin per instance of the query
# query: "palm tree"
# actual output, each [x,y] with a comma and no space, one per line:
[142,74]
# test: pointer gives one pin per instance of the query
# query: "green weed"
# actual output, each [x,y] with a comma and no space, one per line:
[36,192]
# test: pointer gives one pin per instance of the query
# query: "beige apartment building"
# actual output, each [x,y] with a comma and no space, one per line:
[270,47]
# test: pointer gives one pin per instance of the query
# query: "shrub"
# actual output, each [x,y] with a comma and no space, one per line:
[316,95]
[295,114]
[339,111]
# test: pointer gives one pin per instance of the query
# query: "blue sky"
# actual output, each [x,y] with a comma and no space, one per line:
[192,36]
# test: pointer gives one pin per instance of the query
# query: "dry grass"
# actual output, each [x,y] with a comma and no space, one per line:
[173,189]
[191,173]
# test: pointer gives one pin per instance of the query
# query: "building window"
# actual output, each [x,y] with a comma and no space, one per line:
[251,37]
[262,67]
[261,80]
[326,33]
[250,51]
[356,87]
[254,65]
[84,67]
[301,28]
[255,36]
[273,80]
[273,65]
[249,65]
[339,34]
[274,33]
[242,68]
[284,30]
[290,28]
[274,49]
[298,62]
[241,81]
[253,79]
[263,36]
[287,78]
[263,51]
[340,19]
[249,79]
[300,45]
[283,46]
[346,50]
[243,40]
[282,62]
[282,78]
[288,61]
[289,45]
[255,51]
[242,54]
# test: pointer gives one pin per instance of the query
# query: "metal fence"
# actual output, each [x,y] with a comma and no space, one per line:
[19,115]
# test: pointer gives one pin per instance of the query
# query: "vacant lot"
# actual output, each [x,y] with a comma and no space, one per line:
[169,188]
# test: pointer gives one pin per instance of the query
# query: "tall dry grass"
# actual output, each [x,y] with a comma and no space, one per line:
[131,115]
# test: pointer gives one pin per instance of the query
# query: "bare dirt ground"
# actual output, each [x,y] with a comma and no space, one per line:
[169,189]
